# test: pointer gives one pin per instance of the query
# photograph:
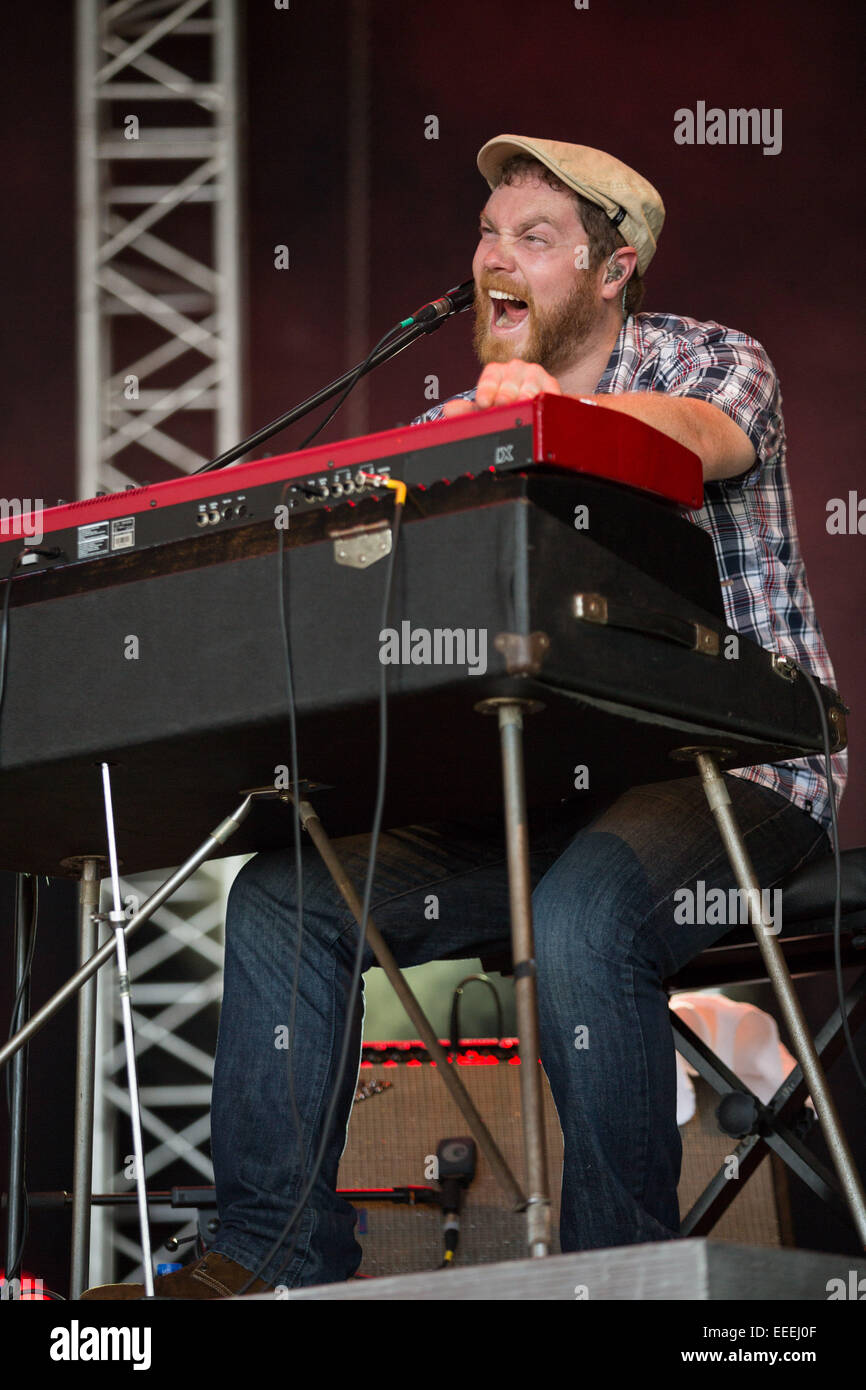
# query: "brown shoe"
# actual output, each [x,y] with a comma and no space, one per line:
[213,1276]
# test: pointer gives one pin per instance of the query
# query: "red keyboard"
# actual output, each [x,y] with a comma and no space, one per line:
[550,431]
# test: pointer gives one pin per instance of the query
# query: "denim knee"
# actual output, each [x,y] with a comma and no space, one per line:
[591,904]
[264,896]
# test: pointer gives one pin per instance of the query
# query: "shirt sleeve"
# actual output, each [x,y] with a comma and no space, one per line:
[435,412]
[733,372]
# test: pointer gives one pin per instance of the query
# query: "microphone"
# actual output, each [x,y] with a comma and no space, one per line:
[456,299]
[456,1160]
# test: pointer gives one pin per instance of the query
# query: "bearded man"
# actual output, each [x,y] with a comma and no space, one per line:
[565,239]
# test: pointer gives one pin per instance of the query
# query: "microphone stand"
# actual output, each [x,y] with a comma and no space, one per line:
[462,300]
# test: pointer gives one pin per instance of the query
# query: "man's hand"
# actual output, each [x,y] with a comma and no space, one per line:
[503,383]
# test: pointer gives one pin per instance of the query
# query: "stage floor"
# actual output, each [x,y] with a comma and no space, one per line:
[693,1270]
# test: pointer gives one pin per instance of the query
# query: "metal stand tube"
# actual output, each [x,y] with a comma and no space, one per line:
[382,952]
[215,840]
[85,1069]
[118,920]
[525,988]
[779,976]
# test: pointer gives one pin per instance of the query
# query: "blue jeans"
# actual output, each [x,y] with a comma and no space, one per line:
[607,937]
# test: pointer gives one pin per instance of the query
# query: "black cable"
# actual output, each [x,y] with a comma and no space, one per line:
[28,966]
[4,626]
[294,774]
[837,905]
[296,830]
[306,1188]
[53,552]
[359,372]
[15,1024]
[354,984]
[454,1023]
[31,943]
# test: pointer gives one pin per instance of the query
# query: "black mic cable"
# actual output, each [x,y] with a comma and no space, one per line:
[433,313]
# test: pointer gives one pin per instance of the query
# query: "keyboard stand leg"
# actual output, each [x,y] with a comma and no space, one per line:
[507,1181]
[16,1211]
[510,716]
[525,984]
[779,976]
[89,870]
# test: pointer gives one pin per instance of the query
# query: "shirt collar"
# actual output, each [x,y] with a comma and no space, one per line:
[629,340]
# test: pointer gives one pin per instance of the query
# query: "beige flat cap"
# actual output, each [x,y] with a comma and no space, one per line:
[630,201]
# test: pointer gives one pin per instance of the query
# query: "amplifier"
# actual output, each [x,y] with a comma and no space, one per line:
[395,1129]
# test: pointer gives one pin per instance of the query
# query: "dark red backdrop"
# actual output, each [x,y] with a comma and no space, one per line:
[768,244]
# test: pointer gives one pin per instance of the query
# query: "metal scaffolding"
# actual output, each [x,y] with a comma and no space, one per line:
[159,317]
[176,971]
[159,392]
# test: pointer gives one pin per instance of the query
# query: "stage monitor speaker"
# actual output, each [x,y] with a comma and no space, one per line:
[403,1111]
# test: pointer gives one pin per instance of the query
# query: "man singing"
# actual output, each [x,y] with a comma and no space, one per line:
[565,239]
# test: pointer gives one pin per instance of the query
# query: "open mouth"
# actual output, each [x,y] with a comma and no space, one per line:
[507,312]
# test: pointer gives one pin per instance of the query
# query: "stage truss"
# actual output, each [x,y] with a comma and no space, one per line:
[159,392]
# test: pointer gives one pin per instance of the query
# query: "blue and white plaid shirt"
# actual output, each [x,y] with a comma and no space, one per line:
[750,518]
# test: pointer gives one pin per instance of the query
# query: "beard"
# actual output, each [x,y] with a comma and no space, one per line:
[554,335]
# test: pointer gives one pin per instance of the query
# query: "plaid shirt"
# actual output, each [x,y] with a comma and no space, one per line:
[750,518]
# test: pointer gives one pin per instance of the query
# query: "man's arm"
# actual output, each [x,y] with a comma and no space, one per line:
[723,448]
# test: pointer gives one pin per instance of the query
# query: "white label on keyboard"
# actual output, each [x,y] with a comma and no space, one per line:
[93,540]
[123,533]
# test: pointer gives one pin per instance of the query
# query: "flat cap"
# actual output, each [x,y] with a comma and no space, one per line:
[630,201]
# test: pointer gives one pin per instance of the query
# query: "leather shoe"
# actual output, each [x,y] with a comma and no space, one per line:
[213,1276]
